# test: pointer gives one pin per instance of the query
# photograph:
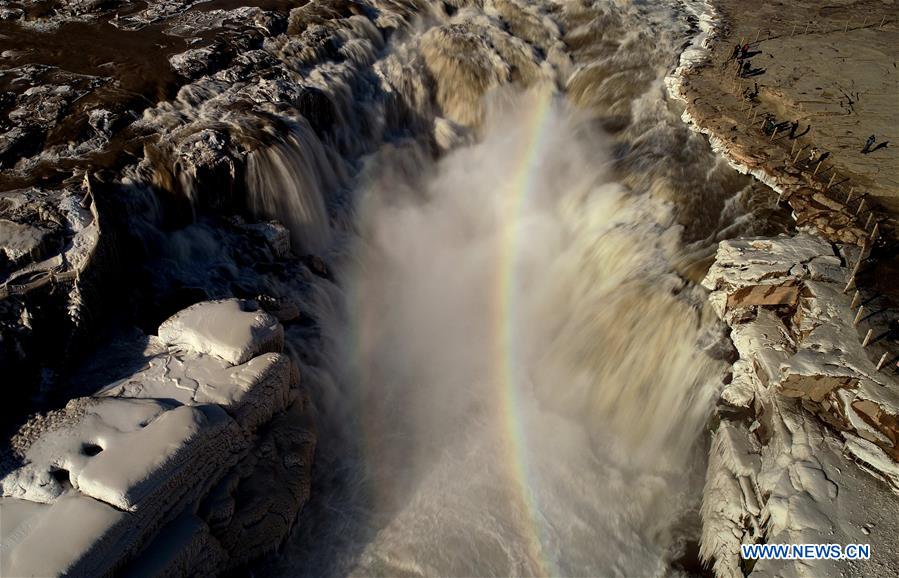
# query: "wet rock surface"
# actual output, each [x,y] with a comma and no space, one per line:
[75,80]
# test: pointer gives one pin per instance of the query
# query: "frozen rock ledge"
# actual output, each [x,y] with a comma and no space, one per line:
[806,443]
[164,471]
[223,329]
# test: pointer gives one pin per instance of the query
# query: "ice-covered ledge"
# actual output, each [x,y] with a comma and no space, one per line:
[147,472]
[804,403]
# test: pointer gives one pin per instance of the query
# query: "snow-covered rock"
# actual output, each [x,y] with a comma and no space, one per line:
[805,401]
[162,472]
[224,329]
[75,535]
[251,393]
[52,258]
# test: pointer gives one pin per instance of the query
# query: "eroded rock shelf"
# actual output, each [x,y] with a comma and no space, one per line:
[805,447]
[144,476]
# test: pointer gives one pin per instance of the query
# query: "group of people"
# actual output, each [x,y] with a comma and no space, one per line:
[771,126]
[741,54]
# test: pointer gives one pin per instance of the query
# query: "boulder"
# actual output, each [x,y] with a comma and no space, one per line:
[223,329]
[189,465]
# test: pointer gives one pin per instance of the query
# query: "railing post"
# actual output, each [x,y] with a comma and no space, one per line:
[875,231]
[868,337]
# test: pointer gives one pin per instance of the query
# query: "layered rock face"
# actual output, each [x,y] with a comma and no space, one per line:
[183,118]
[195,463]
[186,109]
[806,445]
[51,259]
[804,448]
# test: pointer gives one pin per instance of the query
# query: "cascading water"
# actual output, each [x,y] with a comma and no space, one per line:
[510,379]
[507,365]
[523,372]
[288,178]
[497,222]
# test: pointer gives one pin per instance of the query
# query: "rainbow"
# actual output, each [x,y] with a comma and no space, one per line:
[510,375]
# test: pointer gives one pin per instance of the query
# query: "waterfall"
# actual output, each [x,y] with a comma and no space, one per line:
[516,375]
[287,180]
[507,351]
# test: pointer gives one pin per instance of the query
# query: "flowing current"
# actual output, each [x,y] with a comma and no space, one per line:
[521,370]
[513,375]
[510,359]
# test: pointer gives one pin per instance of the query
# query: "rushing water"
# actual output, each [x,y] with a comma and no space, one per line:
[510,366]
[512,379]
[519,364]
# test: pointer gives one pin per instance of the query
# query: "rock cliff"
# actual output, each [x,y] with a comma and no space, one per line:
[805,441]
[166,471]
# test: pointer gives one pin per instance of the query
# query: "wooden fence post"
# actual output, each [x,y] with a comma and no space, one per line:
[868,337]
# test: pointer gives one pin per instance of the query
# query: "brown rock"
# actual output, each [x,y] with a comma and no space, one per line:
[828,202]
[764,295]
[813,387]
